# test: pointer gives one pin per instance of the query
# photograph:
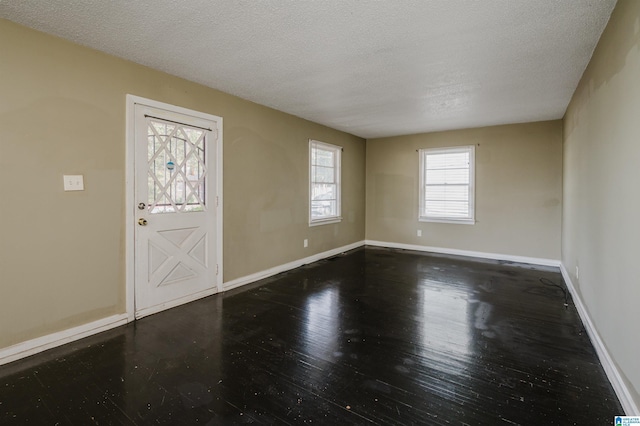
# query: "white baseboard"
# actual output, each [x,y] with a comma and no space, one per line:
[229,285]
[483,255]
[613,374]
[40,344]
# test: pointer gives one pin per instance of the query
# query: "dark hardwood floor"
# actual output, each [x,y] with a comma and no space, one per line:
[374,336]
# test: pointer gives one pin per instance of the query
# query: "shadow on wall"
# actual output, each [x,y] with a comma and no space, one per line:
[264,186]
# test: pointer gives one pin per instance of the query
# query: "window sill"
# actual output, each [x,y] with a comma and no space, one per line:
[445,220]
[327,221]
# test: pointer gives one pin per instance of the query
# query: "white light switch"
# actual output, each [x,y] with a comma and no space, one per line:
[73,183]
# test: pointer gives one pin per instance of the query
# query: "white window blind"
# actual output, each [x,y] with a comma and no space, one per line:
[324,182]
[447,184]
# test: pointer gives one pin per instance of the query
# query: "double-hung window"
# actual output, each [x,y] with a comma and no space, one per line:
[324,183]
[447,178]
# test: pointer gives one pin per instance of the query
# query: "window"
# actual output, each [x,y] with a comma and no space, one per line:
[324,183]
[177,167]
[447,185]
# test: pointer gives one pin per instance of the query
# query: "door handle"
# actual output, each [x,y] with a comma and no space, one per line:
[142,221]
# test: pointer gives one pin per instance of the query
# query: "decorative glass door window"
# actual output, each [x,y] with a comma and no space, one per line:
[177,167]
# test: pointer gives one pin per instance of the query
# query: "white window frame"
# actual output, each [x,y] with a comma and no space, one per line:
[337,150]
[424,153]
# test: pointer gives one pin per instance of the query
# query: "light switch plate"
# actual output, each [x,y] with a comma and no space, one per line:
[73,183]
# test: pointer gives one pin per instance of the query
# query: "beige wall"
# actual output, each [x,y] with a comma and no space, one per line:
[518,190]
[62,111]
[601,226]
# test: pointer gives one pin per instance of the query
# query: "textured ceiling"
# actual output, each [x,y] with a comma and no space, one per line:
[371,68]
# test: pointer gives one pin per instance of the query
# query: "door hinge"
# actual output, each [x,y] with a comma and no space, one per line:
[217,201]
[217,269]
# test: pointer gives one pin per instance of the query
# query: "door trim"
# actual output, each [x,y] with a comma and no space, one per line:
[130,206]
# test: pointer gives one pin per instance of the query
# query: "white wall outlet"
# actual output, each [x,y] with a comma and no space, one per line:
[305,243]
[419,233]
[73,182]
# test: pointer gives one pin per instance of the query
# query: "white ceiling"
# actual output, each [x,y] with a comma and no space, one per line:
[370,68]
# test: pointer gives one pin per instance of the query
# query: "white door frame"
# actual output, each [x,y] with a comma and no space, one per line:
[130,205]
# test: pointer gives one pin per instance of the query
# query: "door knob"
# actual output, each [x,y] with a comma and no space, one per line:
[142,221]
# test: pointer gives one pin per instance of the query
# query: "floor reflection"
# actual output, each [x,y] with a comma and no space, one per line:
[321,336]
[445,328]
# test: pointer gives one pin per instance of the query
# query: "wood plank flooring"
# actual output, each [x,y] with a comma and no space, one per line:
[374,336]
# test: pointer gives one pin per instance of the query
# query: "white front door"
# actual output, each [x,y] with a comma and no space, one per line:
[176,204]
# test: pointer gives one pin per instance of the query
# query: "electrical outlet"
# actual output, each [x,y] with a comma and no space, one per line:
[73,182]
[305,243]
[577,273]
[419,232]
